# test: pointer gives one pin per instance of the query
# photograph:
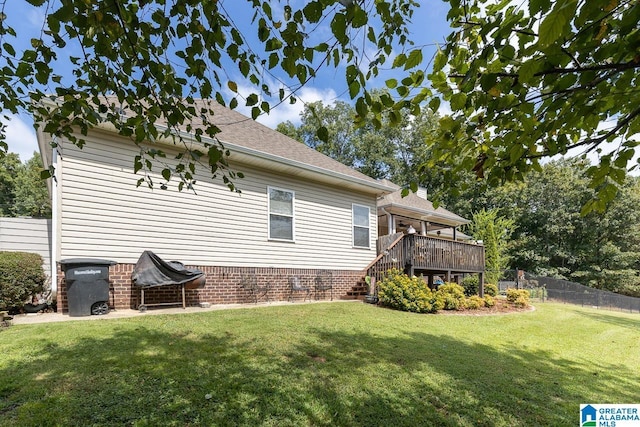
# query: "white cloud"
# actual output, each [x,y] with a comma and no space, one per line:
[21,137]
[287,111]
[37,18]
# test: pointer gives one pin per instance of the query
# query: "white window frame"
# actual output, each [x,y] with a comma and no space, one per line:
[292,216]
[353,225]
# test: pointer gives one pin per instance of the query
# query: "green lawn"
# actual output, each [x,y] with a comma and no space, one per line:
[342,364]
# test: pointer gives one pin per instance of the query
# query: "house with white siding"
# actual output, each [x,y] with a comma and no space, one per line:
[298,214]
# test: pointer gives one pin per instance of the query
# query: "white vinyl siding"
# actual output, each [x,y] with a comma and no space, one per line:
[27,235]
[281,214]
[104,215]
[361,226]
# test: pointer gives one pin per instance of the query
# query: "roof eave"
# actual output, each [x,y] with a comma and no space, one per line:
[426,214]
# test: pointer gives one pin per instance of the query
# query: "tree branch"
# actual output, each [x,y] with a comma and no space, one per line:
[594,142]
[600,67]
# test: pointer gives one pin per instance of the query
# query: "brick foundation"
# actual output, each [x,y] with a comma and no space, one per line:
[222,286]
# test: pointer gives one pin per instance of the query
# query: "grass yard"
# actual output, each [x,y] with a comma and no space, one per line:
[343,364]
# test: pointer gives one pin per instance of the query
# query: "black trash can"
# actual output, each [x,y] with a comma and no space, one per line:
[87,285]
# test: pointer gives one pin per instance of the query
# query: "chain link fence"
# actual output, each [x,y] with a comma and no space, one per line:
[549,289]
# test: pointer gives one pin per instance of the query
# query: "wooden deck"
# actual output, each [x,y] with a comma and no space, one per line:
[417,254]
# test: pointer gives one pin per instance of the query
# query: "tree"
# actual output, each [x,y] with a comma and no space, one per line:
[31,195]
[552,238]
[341,133]
[9,167]
[530,80]
[155,57]
[612,259]
[494,231]
[388,152]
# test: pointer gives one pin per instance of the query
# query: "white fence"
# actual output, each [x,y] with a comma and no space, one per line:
[27,235]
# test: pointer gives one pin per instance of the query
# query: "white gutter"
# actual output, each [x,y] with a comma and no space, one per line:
[54,224]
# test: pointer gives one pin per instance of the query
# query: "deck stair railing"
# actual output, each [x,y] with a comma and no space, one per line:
[413,252]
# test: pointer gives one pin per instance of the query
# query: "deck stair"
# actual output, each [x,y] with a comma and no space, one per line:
[358,291]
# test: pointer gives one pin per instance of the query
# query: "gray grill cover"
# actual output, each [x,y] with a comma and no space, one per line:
[151,270]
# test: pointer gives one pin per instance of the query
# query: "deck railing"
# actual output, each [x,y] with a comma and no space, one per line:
[413,253]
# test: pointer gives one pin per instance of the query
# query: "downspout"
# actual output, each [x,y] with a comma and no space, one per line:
[54,224]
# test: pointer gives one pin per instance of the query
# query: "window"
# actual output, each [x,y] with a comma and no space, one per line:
[280,214]
[360,226]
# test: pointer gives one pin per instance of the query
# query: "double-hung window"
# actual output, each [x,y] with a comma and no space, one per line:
[281,214]
[360,226]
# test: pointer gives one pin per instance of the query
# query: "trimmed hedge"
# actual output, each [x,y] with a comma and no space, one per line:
[518,297]
[401,292]
[490,289]
[21,276]
[489,301]
[453,295]
[470,285]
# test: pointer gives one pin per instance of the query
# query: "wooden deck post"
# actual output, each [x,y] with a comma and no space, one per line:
[481,285]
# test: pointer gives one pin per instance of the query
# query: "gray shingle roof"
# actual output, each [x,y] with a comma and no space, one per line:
[413,202]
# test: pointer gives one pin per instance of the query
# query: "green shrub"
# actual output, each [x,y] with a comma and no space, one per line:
[470,285]
[539,292]
[521,302]
[21,276]
[489,301]
[474,302]
[453,296]
[401,292]
[518,297]
[490,289]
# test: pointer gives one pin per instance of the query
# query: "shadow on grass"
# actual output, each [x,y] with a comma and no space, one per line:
[144,377]
[603,316]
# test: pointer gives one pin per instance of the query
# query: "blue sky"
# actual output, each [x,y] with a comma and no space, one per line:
[428,28]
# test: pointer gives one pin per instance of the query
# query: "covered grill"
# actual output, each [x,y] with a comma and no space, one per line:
[151,272]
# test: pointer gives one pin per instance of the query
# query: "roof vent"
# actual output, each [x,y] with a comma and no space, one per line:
[422,193]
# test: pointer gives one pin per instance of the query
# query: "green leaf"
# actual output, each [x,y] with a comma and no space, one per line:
[323,134]
[439,61]
[434,104]
[313,11]
[233,86]
[536,6]
[9,49]
[361,107]
[339,28]
[252,99]
[166,174]
[354,89]
[359,18]
[414,59]
[400,60]
[556,23]
[528,70]
[458,101]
